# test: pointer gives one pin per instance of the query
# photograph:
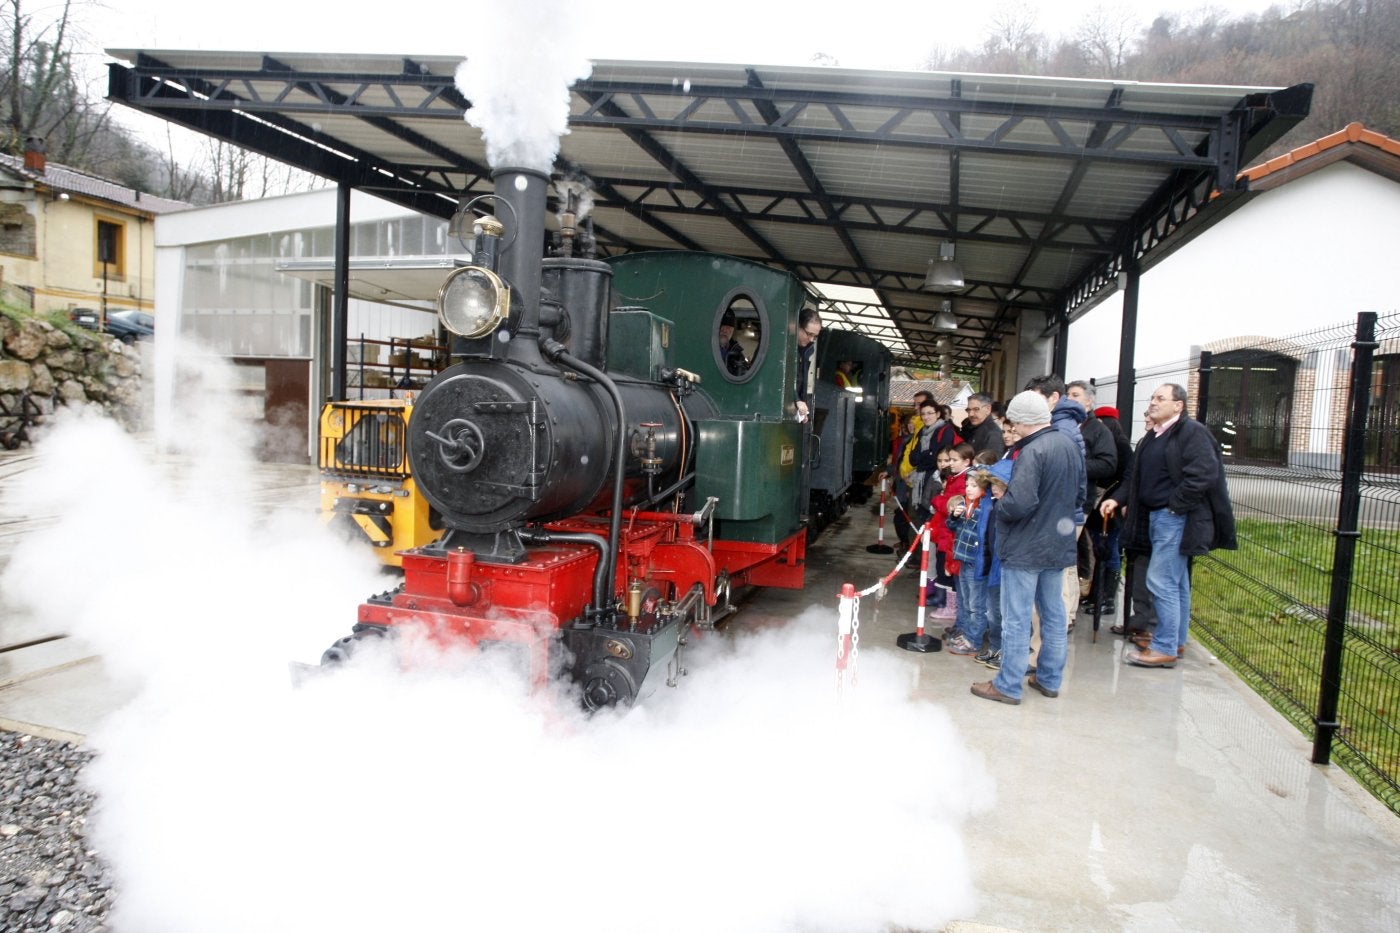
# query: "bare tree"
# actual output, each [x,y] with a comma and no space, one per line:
[38,66]
[1106,38]
[1014,43]
[183,183]
[229,168]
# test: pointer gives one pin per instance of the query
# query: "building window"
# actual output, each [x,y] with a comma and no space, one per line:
[109,257]
[1383,417]
[1250,406]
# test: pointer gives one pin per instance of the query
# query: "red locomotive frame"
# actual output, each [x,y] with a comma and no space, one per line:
[455,599]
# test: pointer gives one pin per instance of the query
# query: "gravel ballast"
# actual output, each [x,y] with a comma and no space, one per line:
[51,879]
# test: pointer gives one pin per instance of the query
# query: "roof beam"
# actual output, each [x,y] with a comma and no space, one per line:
[676,167]
[898,127]
[814,185]
[924,219]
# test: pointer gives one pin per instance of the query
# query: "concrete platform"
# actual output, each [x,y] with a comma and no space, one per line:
[1137,800]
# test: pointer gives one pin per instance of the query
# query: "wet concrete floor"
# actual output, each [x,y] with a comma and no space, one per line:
[1136,800]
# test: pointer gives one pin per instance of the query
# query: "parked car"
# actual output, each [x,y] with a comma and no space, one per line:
[85,317]
[130,326]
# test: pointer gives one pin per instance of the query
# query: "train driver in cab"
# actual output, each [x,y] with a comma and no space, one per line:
[730,350]
[809,325]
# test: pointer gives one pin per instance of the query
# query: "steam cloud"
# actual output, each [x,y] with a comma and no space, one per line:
[449,796]
[523,60]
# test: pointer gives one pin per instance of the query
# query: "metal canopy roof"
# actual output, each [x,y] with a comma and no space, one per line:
[1049,187]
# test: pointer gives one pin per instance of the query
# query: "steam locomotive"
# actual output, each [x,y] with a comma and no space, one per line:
[597,476]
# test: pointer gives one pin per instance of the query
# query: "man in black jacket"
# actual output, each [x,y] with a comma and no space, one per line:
[980,429]
[1100,467]
[1100,450]
[1177,502]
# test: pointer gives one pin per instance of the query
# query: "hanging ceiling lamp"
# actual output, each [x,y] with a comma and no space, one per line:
[944,273]
[944,319]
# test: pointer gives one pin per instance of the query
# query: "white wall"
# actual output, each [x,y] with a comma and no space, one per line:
[178,232]
[267,215]
[1311,253]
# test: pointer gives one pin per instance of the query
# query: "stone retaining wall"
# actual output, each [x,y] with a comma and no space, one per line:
[56,367]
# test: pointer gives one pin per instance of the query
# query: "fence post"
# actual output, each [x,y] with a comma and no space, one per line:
[1344,551]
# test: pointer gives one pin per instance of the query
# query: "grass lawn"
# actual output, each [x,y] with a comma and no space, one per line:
[1263,611]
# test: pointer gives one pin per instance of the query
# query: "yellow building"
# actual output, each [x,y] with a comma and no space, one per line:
[73,240]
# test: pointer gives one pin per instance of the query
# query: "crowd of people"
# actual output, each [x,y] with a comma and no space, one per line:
[1029,507]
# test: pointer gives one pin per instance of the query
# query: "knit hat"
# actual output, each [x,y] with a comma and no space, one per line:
[1105,411]
[1028,407]
[727,319]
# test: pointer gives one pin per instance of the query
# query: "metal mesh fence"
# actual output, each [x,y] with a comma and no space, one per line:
[1307,610]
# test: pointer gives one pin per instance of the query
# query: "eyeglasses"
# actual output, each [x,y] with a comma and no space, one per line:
[811,333]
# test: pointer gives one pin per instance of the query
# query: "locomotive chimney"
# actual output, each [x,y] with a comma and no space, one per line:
[524,189]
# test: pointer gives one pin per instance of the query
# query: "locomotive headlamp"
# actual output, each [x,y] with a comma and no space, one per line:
[473,302]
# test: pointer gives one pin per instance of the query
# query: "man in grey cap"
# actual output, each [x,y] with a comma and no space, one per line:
[1035,541]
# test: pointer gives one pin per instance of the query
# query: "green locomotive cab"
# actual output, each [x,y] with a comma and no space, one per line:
[753,455]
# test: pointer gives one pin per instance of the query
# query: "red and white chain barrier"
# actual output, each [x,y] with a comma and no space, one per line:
[880,547]
[847,639]
[848,615]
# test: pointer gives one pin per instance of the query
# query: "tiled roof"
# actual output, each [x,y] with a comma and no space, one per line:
[61,178]
[1337,145]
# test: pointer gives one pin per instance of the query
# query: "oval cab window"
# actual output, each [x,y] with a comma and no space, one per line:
[739,338]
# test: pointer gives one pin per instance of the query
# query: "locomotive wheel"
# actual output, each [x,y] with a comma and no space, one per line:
[344,648]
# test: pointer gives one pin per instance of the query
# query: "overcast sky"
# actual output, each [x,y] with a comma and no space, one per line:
[868,34]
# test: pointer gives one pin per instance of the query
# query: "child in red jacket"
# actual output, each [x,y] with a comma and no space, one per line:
[953,495]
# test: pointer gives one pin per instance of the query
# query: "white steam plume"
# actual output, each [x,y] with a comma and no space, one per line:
[524,58]
[449,797]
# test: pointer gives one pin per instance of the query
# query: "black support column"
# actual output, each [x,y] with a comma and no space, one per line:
[340,306]
[1127,348]
[1060,351]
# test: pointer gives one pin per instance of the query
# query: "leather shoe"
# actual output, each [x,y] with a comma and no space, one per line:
[1044,691]
[1141,639]
[986,691]
[1117,629]
[1149,658]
